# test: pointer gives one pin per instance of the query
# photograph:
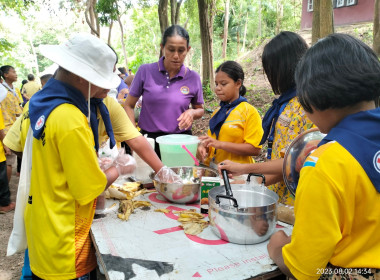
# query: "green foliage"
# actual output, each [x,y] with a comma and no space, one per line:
[143,38]
[140,59]
[269,14]
[251,87]
[247,12]
[142,34]
[247,60]
[364,34]
[49,37]
[5,46]
[210,98]
[217,63]
[15,6]
[108,11]
[208,94]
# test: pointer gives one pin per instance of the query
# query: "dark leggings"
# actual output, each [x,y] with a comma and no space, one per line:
[154,135]
[19,164]
[5,194]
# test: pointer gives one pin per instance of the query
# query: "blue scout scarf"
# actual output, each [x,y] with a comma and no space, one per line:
[98,103]
[273,112]
[51,96]
[359,135]
[218,119]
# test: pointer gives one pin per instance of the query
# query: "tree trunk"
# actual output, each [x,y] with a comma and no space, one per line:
[186,22]
[110,32]
[323,19]
[245,31]
[326,16]
[173,9]
[206,9]
[163,15]
[315,32]
[122,42]
[177,11]
[225,31]
[92,18]
[376,28]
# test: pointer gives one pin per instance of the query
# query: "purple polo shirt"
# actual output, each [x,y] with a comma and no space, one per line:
[165,99]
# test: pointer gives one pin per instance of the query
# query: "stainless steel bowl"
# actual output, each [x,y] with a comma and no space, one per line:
[296,155]
[252,222]
[188,192]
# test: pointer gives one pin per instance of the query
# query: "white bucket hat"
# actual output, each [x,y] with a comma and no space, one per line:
[87,57]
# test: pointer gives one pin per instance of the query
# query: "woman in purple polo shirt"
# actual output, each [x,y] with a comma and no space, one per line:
[168,88]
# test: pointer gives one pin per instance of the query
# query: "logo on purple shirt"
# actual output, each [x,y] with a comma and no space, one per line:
[185,90]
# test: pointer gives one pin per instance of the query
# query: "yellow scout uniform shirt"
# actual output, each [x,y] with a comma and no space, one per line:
[243,125]
[2,152]
[337,215]
[292,122]
[65,181]
[123,129]
[11,109]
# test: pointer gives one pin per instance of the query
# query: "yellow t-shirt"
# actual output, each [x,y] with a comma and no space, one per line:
[30,88]
[123,128]
[337,215]
[292,122]
[19,96]
[2,152]
[16,135]
[65,181]
[243,125]
[11,109]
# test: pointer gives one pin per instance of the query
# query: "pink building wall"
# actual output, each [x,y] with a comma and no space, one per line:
[361,12]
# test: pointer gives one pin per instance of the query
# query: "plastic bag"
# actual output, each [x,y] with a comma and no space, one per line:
[17,240]
[285,213]
[106,155]
[124,163]
[167,175]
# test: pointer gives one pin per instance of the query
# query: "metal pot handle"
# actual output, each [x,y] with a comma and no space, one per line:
[227,186]
[257,175]
[217,199]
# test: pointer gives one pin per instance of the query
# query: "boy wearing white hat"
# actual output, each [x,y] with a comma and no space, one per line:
[66,178]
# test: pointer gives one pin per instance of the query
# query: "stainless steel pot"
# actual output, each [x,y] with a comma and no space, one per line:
[296,154]
[251,221]
[188,192]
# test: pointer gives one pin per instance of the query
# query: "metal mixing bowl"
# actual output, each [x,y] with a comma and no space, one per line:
[189,191]
[296,155]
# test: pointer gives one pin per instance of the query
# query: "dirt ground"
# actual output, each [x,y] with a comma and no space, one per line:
[258,94]
[10,267]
